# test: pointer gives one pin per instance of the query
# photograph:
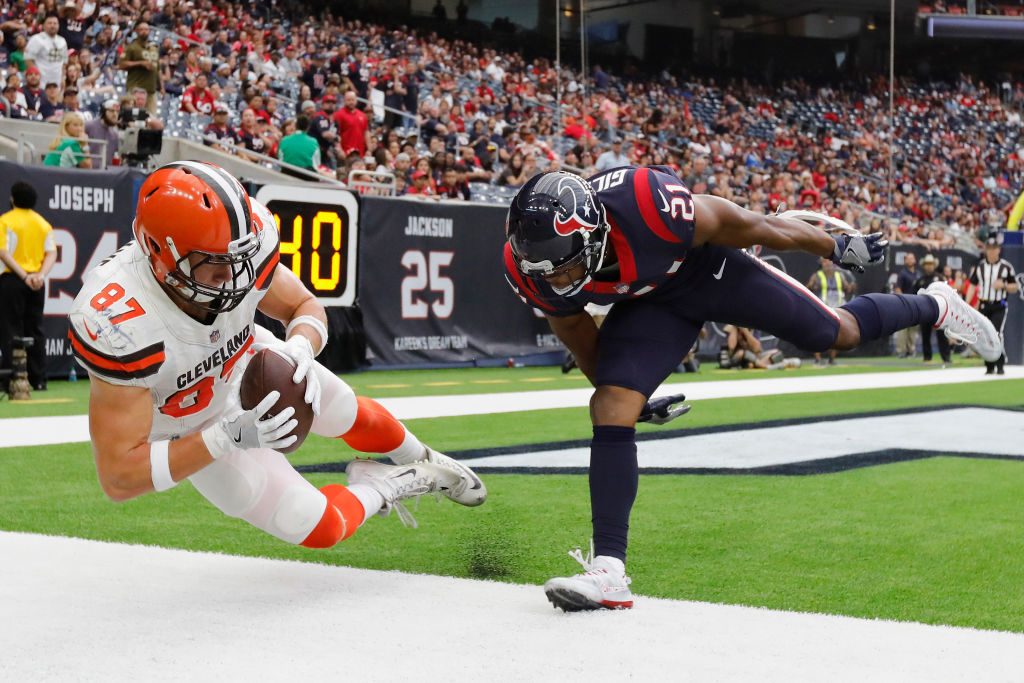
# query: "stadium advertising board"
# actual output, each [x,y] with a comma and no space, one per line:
[432,289]
[91,214]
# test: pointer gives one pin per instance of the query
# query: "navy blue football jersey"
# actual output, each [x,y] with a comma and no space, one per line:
[650,213]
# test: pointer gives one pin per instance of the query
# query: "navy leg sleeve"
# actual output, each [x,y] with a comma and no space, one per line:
[613,486]
[879,315]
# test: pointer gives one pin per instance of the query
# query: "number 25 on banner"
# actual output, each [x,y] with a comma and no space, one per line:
[425,274]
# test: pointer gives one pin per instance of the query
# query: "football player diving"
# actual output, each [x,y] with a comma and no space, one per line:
[166,329]
[670,261]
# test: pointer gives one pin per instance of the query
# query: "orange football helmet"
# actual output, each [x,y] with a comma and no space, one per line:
[190,207]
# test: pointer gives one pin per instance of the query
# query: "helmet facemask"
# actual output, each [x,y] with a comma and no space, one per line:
[209,298]
[590,257]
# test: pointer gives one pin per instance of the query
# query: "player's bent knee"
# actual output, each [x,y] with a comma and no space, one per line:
[612,405]
[297,513]
[849,331]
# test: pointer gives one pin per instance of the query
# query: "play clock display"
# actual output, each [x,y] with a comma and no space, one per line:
[318,229]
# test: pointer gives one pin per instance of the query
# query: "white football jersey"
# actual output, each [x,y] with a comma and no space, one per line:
[125,329]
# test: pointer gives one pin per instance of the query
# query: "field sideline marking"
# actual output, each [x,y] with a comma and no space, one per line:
[38,431]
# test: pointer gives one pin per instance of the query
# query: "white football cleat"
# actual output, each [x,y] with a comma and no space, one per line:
[399,482]
[604,585]
[963,324]
[470,490]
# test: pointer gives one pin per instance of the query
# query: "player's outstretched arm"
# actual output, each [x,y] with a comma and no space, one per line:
[120,419]
[579,334]
[305,321]
[719,221]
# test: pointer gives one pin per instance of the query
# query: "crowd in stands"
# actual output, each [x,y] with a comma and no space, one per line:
[410,112]
[982,7]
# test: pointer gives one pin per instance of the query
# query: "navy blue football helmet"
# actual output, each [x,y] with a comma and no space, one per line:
[555,223]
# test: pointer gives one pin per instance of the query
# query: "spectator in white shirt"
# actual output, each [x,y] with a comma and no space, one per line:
[495,70]
[48,52]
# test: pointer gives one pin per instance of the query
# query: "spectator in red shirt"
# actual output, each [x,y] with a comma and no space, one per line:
[420,185]
[352,125]
[451,187]
[198,99]
[258,107]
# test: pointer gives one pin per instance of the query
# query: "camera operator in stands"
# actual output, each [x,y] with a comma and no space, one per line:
[134,112]
[106,128]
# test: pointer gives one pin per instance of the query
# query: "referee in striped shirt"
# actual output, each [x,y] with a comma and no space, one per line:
[993,279]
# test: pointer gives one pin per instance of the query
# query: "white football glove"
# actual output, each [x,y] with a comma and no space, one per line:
[299,350]
[248,429]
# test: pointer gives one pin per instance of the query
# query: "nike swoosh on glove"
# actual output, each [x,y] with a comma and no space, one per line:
[249,429]
[299,350]
[854,252]
[659,411]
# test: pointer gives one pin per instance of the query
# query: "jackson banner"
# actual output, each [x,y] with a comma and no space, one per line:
[91,214]
[432,287]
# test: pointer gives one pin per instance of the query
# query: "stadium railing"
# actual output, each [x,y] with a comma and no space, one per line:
[375,183]
[33,138]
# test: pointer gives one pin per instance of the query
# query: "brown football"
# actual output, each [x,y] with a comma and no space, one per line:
[266,372]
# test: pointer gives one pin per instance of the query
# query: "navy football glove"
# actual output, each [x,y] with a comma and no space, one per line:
[853,252]
[659,411]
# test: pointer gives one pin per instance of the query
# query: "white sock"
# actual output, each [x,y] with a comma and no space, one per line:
[411,450]
[368,497]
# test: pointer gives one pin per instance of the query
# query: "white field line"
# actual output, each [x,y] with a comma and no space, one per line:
[89,611]
[34,431]
[437,406]
[957,430]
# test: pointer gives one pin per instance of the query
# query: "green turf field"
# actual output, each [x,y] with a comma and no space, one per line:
[937,540]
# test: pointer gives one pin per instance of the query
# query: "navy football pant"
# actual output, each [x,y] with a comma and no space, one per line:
[643,340]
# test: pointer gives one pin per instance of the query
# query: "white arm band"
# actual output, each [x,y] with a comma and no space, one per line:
[313,322]
[159,466]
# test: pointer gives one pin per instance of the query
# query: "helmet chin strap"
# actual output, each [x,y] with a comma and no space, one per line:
[574,289]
